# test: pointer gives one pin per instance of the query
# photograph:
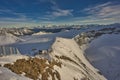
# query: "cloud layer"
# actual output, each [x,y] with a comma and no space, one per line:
[105,13]
[108,12]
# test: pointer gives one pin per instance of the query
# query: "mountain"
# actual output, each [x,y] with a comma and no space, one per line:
[74,64]
[102,49]
[65,61]
[8,38]
[87,56]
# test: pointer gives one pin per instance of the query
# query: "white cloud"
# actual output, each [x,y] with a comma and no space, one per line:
[106,13]
[61,12]
[56,11]
[106,10]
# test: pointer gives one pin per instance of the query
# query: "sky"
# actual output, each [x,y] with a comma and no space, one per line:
[36,12]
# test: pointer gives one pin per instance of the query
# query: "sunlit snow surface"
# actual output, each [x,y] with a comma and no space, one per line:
[104,54]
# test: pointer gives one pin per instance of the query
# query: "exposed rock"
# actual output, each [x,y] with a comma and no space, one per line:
[34,67]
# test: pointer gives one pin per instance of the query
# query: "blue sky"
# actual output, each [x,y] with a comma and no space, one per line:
[20,12]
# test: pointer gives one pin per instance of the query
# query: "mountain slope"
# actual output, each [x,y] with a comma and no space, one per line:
[8,38]
[102,49]
[103,53]
[74,64]
[66,62]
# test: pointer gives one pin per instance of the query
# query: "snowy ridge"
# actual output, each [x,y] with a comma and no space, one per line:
[17,31]
[7,38]
[73,61]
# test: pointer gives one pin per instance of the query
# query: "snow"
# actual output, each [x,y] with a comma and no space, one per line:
[103,53]
[11,58]
[40,42]
[8,38]
[26,44]
[6,74]
[69,70]
[41,33]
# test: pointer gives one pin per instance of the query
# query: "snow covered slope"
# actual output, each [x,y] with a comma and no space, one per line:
[104,54]
[74,64]
[41,42]
[102,49]
[7,38]
[6,74]
[69,54]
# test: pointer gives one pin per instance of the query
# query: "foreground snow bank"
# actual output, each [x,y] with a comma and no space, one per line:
[6,74]
[103,53]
